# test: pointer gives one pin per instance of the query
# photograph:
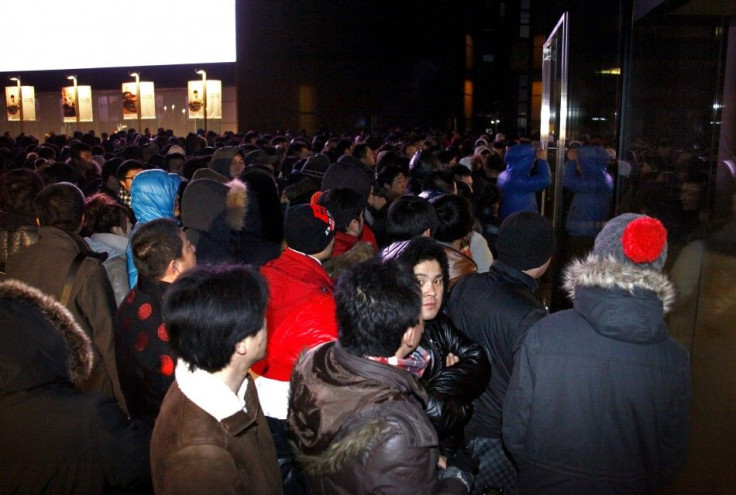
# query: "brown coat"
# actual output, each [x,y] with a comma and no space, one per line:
[359,427]
[45,265]
[460,265]
[191,452]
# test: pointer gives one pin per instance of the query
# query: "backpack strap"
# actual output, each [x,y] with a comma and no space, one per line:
[66,292]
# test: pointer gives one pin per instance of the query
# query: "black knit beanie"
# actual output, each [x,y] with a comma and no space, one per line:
[525,240]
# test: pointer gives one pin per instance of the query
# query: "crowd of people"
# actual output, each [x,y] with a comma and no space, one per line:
[355,313]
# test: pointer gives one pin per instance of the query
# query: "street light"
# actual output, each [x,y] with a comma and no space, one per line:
[20,102]
[204,95]
[138,98]
[76,98]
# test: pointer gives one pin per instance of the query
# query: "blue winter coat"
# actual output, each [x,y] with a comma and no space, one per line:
[600,395]
[593,188]
[153,195]
[519,188]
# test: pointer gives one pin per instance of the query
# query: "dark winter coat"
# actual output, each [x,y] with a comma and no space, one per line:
[495,309]
[359,427]
[56,439]
[600,396]
[192,452]
[451,391]
[213,214]
[45,265]
[518,186]
[143,354]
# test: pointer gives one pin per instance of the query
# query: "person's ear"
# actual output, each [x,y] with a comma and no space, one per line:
[173,267]
[427,233]
[241,347]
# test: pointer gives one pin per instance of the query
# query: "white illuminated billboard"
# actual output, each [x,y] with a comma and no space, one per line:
[84,34]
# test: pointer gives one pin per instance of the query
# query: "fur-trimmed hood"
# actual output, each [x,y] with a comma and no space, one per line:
[605,273]
[620,301]
[208,204]
[40,342]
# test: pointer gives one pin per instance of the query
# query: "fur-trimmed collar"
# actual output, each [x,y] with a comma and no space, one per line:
[81,357]
[606,273]
[236,204]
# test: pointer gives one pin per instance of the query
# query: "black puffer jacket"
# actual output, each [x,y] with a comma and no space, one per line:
[452,389]
[55,438]
[495,309]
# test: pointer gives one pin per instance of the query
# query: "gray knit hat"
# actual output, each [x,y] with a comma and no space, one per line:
[633,240]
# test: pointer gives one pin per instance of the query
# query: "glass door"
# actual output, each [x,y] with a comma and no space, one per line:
[554,115]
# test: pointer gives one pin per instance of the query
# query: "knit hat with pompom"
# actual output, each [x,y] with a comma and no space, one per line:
[633,240]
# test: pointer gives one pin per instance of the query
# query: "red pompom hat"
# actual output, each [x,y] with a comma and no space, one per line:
[633,239]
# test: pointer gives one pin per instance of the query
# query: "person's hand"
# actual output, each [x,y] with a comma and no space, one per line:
[541,154]
[442,462]
[451,359]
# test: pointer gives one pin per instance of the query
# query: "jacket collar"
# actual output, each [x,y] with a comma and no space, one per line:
[606,273]
[154,288]
[56,237]
[384,373]
[513,275]
[313,271]
[235,411]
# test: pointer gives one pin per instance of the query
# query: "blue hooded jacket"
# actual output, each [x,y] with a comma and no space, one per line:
[593,188]
[153,195]
[519,188]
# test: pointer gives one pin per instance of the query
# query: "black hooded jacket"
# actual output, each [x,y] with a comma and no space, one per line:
[54,438]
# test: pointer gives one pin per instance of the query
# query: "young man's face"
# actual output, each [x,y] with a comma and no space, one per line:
[432,283]
[128,179]
[237,166]
[398,186]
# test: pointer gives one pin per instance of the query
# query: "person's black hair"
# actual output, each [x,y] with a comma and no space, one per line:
[360,150]
[344,203]
[439,180]
[375,304]
[460,171]
[127,166]
[18,187]
[409,216]
[264,202]
[46,152]
[191,166]
[209,309]
[387,175]
[342,145]
[110,168]
[454,216]
[296,147]
[102,213]
[391,158]
[422,249]
[76,149]
[133,152]
[59,172]
[60,205]
[154,245]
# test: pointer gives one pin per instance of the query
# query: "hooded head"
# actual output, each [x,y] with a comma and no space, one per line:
[520,159]
[228,161]
[153,194]
[40,342]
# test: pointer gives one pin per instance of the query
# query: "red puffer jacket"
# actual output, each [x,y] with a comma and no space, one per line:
[300,313]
